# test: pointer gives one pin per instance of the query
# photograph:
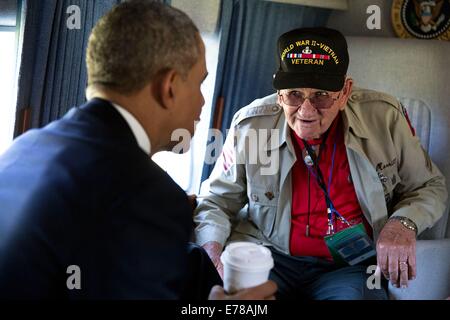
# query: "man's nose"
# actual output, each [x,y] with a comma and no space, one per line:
[306,108]
[203,100]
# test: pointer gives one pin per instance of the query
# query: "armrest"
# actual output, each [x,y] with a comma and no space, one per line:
[433,273]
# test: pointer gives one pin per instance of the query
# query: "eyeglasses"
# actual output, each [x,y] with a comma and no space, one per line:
[319,100]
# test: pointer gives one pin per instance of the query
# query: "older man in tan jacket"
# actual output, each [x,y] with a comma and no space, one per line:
[339,157]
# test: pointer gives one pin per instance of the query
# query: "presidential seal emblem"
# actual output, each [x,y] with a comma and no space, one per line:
[423,19]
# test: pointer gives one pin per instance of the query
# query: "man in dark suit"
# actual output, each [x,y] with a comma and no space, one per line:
[84,212]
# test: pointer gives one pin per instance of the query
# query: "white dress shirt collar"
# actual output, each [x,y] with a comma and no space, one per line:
[137,129]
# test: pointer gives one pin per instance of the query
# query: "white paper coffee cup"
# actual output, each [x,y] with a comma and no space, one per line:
[245,265]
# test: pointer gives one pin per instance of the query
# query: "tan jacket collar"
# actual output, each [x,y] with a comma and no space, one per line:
[352,120]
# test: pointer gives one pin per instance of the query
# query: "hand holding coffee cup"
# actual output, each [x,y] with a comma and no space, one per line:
[245,265]
[265,291]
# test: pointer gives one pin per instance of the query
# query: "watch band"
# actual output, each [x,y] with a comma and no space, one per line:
[408,223]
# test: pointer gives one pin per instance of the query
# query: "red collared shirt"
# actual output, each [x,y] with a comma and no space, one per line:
[342,194]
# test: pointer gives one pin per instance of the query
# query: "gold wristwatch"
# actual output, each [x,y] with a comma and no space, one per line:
[408,223]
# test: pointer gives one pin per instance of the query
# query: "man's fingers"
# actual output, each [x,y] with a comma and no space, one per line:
[219,268]
[263,291]
[382,263]
[217,293]
[412,272]
[403,266]
[393,270]
[267,289]
[378,272]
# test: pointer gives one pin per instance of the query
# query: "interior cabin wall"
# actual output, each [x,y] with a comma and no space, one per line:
[353,22]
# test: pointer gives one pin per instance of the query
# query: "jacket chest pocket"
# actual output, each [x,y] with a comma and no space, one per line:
[263,204]
[389,179]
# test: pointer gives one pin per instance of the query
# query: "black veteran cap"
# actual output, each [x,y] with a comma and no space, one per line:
[311,58]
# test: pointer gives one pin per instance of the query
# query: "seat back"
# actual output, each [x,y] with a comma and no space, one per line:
[415,71]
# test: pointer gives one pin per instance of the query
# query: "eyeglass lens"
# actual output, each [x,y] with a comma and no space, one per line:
[319,100]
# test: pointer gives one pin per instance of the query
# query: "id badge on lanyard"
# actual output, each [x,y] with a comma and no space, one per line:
[350,246]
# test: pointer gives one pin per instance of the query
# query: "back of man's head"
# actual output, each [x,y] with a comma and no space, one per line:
[137,40]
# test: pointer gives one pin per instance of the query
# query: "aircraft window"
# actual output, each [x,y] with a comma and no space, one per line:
[7,87]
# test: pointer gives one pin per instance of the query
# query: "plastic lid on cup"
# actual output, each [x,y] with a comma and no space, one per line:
[247,256]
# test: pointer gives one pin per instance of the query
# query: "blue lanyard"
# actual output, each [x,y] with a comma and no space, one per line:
[332,213]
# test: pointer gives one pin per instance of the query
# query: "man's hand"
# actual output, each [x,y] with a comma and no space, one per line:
[265,291]
[214,250]
[396,253]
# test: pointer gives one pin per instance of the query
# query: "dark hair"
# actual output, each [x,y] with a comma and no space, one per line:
[138,39]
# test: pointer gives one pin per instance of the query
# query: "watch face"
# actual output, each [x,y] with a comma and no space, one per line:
[409,225]
[406,224]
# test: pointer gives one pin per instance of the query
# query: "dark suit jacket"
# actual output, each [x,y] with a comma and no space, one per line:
[81,192]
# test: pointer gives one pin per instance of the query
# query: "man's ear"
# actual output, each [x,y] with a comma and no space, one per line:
[279,101]
[164,88]
[346,92]
[348,86]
